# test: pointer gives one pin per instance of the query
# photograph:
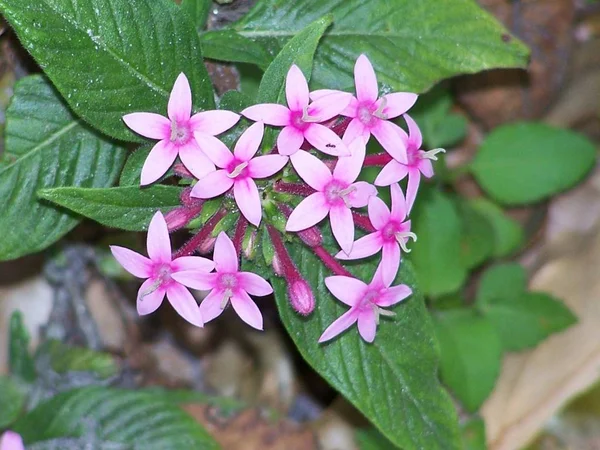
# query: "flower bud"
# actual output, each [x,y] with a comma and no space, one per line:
[311,237]
[181,171]
[301,297]
[249,245]
[177,218]
[206,245]
[277,266]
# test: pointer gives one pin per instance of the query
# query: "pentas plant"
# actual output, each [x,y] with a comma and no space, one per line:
[325,140]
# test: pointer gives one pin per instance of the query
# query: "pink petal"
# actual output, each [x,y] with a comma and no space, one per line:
[212,185]
[379,213]
[254,284]
[341,324]
[312,170]
[391,173]
[342,227]
[134,263]
[348,111]
[296,89]
[180,100]
[329,106]
[393,295]
[348,290]
[398,103]
[248,200]
[325,140]
[185,304]
[399,208]
[11,441]
[309,212]
[367,325]
[269,113]
[213,122]
[247,310]
[390,262]
[361,194]
[224,255]
[248,143]
[289,141]
[158,241]
[365,246]
[212,147]
[426,167]
[414,179]
[348,167]
[150,125]
[265,166]
[414,133]
[365,80]
[355,130]
[159,160]
[211,307]
[149,297]
[389,136]
[195,161]
[196,279]
[192,263]
[320,93]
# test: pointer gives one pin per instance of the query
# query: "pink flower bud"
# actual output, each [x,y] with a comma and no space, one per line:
[177,218]
[301,297]
[206,245]
[181,171]
[277,266]
[311,237]
[249,245]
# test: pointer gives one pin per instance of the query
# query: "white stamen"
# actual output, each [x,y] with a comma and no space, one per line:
[226,297]
[431,154]
[379,111]
[381,312]
[344,192]
[152,288]
[238,170]
[402,238]
[308,119]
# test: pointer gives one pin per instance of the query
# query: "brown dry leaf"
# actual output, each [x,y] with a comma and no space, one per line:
[249,430]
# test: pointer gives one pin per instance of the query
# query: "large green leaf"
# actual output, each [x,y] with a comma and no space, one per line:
[412,44]
[227,45]
[12,399]
[98,417]
[508,234]
[46,146]
[526,162]
[112,57]
[127,207]
[197,11]
[65,358]
[393,381]
[477,237]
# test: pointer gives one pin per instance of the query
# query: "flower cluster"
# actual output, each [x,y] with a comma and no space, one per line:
[324,136]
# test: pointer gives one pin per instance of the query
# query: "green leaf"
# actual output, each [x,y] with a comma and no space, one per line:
[473,432]
[197,11]
[127,207]
[46,146]
[392,381]
[502,281]
[112,57]
[64,358]
[12,398]
[20,361]
[527,162]
[477,237]
[132,170]
[98,417]
[412,45]
[227,45]
[508,234]
[371,439]
[471,354]
[437,253]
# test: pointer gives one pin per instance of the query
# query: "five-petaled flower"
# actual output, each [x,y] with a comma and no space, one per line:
[336,194]
[11,441]
[301,120]
[238,170]
[391,235]
[159,270]
[227,284]
[180,134]
[419,162]
[365,301]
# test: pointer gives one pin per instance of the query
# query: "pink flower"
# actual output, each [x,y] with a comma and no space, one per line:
[11,441]
[392,234]
[227,284]
[370,114]
[336,193]
[159,269]
[419,162]
[365,301]
[176,134]
[238,170]
[301,120]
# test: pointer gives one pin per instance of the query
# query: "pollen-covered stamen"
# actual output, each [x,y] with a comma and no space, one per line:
[226,297]
[307,118]
[180,134]
[379,111]
[163,275]
[238,169]
[381,312]
[431,154]
[402,237]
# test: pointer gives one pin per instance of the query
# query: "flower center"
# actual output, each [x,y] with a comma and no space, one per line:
[368,301]
[412,155]
[237,169]
[162,276]
[337,191]
[301,119]
[398,232]
[228,283]
[369,113]
[180,133]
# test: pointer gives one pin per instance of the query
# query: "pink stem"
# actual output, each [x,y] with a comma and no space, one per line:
[196,241]
[330,262]
[289,269]
[378,160]
[240,231]
[362,221]
[293,188]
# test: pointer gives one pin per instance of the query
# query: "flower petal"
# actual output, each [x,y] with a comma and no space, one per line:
[365,80]
[269,113]
[213,122]
[248,200]
[248,143]
[212,185]
[414,179]
[392,172]
[211,307]
[195,161]
[348,111]
[265,166]
[367,325]
[361,194]
[296,89]
[158,241]
[159,160]
[329,106]
[309,212]
[414,133]
[212,147]
[390,262]
[355,130]
[398,103]
[150,125]
[389,136]
[311,169]
[365,246]
[342,227]
[185,304]
[325,140]
[224,255]
[399,208]
[393,295]
[347,290]
[426,167]
[245,307]
[196,279]
[134,263]
[192,263]
[341,324]
[379,213]
[180,100]
[348,167]
[150,297]
[254,284]
[11,441]
[289,140]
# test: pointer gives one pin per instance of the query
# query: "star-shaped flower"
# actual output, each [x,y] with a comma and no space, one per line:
[238,170]
[11,441]
[336,194]
[159,270]
[300,119]
[419,162]
[391,235]
[176,134]
[365,301]
[227,284]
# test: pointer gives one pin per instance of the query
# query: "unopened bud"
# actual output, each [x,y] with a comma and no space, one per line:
[277,266]
[301,297]
[206,245]
[249,245]
[181,171]
[311,237]
[177,218]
